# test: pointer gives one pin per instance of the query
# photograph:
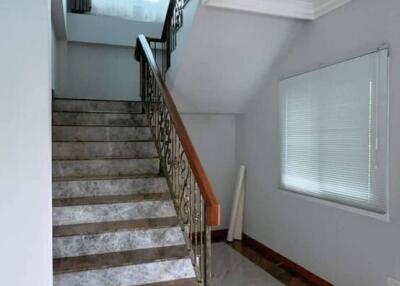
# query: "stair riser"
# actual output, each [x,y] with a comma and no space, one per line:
[75,133]
[99,119]
[84,168]
[129,275]
[72,246]
[112,212]
[84,150]
[96,106]
[71,189]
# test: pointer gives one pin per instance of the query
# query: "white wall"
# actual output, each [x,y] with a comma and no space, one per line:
[214,138]
[59,18]
[226,57]
[183,36]
[108,30]
[346,248]
[97,72]
[25,145]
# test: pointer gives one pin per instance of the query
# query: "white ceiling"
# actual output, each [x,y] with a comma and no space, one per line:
[299,9]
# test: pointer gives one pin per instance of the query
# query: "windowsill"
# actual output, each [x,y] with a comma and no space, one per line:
[355,210]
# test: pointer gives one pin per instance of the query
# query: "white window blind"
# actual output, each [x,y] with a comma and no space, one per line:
[334,132]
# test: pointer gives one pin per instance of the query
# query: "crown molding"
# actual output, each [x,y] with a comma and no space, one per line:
[325,6]
[299,9]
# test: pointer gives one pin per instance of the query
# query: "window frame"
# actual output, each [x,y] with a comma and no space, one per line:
[382,127]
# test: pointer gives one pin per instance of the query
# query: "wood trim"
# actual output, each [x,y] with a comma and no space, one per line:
[209,197]
[284,262]
[219,235]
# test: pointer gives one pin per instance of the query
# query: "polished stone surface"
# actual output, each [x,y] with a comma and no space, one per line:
[96,105]
[99,119]
[92,150]
[129,275]
[99,133]
[113,220]
[118,259]
[107,167]
[79,245]
[230,268]
[114,226]
[101,200]
[104,187]
[112,212]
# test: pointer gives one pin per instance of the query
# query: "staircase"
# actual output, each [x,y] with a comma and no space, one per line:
[114,222]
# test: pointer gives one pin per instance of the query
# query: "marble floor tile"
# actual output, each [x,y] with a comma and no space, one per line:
[230,268]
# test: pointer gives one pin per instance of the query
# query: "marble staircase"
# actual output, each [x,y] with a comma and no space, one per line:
[114,222]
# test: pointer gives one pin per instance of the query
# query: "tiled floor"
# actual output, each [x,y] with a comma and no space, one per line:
[230,268]
[238,265]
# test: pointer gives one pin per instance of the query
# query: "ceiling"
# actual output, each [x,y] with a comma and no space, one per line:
[299,9]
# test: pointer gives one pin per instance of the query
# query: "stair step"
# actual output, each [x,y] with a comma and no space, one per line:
[82,245]
[105,167]
[83,214]
[160,272]
[177,272]
[180,282]
[87,187]
[87,150]
[98,119]
[100,133]
[83,105]
[104,227]
[99,200]
[115,259]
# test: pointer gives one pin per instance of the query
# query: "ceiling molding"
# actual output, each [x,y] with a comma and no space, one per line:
[299,9]
[325,6]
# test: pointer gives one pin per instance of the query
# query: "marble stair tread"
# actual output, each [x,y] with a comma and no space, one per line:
[180,282]
[116,259]
[130,275]
[101,200]
[104,150]
[86,105]
[71,187]
[114,226]
[83,245]
[83,214]
[105,167]
[72,118]
[100,134]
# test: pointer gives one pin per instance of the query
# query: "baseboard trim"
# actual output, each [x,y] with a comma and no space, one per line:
[219,235]
[284,262]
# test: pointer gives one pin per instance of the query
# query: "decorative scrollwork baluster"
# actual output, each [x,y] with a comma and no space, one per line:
[185,192]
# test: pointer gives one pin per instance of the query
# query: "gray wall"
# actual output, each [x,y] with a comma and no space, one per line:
[345,247]
[96,72]
[214,138]
[25,145]
[225,57]
[108,30]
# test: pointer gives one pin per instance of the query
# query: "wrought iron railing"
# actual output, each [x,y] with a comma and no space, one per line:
[196,204]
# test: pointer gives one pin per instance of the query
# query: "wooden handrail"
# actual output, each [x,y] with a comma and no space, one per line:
[210,200]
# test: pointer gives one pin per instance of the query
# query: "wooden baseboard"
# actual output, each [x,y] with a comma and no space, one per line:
[273,256]
[219,235]
[284,262]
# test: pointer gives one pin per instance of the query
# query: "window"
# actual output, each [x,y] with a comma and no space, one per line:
[334,132]
[139,10]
